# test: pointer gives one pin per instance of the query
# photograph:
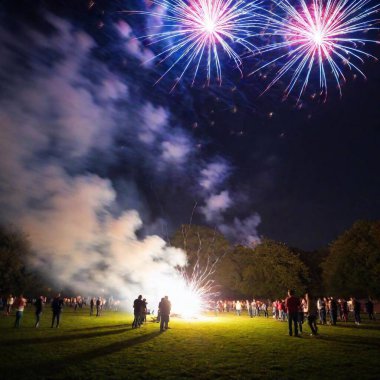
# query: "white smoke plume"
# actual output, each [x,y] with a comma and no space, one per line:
[51,122]
[61,113]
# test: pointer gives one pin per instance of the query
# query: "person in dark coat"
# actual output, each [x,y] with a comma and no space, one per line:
[292,304]
[312,312]
[137,311]
[92,304]
[56,306]
[39,305]
[357,308]
[159,311]
[333,311]
[98,306]
[165,308]
[369,307]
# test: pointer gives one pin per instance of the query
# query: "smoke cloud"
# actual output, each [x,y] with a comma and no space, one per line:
[70,130]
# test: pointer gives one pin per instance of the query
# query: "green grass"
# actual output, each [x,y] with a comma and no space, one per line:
[224,347]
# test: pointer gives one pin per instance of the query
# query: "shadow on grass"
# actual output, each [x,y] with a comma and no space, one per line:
[102,327]
[360,327]
[353,340]
[44,369]
[63,338]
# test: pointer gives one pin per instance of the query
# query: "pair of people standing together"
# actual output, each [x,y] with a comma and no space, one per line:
[292,304]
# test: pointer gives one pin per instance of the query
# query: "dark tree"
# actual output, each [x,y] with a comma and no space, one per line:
[314,260]
[275,269]
[352,267]
[15,252]
[230,272]
[266,271]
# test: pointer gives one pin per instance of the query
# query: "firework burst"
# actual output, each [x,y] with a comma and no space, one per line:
[319,36]
[195,33]
[190,294]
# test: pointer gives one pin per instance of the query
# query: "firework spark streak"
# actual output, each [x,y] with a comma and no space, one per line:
[200,284]
[190,295]
[319,35]
[195,32]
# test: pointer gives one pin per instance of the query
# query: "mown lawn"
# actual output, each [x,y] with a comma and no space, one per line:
[223,347]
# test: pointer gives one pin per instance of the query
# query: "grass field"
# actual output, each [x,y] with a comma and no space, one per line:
[223,347]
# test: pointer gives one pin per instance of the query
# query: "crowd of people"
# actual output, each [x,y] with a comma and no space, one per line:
[18,304]
[254,308]
[293,309]
[296,310]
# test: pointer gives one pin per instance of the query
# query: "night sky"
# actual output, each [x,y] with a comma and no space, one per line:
[79,108]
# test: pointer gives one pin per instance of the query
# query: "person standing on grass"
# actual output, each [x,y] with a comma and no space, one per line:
[144,310]
[19,304]
[345,310]
[250,309]
[281,312]
[274,309]
[247,305]
[312,312]
[165,308]
[333,311]
[369,309]
[238,308]
[357,307]
[159,311]
[92,305]
[39,307]
[253,305]
[265,309]
[301,314]
[98,306]
[292,304]
[322,310]
[56,306]
[137,310]
[10,301]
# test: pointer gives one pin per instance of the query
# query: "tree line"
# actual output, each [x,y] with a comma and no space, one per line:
[349,266]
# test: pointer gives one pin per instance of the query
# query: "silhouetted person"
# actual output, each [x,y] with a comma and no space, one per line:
[39,305]
[369,309]
[165,307]
[137,310]
[312,312]
[56,306]
[92,304]
[159,311]
[292,303]
[357,308]
[144,310]
[333,311]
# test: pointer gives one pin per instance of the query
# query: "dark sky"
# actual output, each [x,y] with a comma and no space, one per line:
[252,165]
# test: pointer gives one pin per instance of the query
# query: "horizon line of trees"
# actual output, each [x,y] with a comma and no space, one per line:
[349,266]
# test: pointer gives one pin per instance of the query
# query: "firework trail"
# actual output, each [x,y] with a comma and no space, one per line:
[195,291]
[321,36]
[195,33]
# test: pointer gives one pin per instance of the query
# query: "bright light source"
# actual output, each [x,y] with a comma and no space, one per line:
[318,37]
[210,26]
